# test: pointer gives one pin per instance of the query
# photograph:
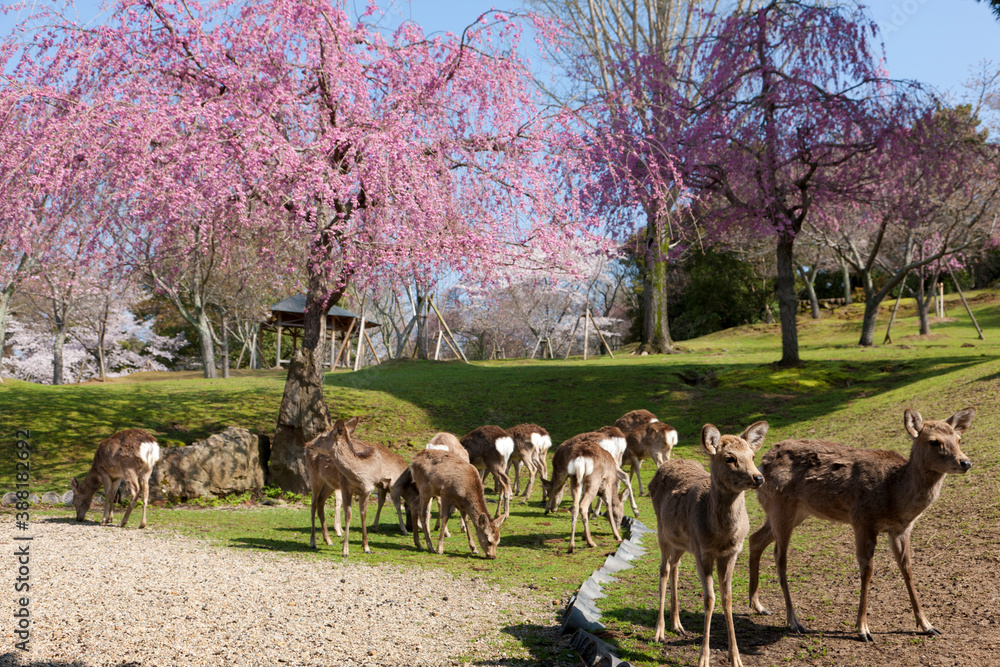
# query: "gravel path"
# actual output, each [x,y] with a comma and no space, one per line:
[104,596]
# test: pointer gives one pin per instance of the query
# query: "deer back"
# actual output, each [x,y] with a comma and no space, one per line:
[634,419]
[448,442]
[651,440]
[488,443]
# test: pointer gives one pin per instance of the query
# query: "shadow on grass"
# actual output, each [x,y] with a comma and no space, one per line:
[544,644]
[753,632]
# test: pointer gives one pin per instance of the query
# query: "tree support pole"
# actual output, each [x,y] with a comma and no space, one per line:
[456,347]
[966,304]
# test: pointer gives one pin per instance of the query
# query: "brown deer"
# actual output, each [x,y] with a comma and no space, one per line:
[361,469]
[705,513]
[489,449]
[127,456]
[531,444]
[591,470]
[456,484]
[634,419]
[876,491]
[615,443]
[448,442]
[649,441]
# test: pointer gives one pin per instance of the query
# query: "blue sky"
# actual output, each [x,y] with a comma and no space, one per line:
[934,41]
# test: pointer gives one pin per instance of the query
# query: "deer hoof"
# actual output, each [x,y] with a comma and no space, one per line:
[931,631]
[865,637]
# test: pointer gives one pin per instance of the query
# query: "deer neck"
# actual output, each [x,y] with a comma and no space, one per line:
[726,508]
[88,487]
[920,485]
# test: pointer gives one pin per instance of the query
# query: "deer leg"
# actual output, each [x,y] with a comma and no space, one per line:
[624,479]
[664,575]
[614,520]
[468,533]
[425,510]
[758,542]
[398,504]
[587,499]
[636,464]
[145,496]
[378,510]
[864,545]
[504,483]
[444,509]
[675,606]
[324,493]
[725,567]
[345,497]
[316,506]
[532,468]
[705,566]
[110,488]
[782,525]
[900,547]
[132,481]
[574,513]
[516,465]
[363,509]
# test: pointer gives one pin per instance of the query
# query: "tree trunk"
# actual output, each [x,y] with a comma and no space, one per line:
[788,302]
[57,352]
[225,346]
[809,278]
[923,303]
[655,324]
[423,342]
[845,272]
[205,344]
[868,323]
[4,310]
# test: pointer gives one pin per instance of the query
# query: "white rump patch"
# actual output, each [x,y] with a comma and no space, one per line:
[505,446]
[443,448]
[653,420]
[540,442]
[615,447]
[672,438]
[149,452]
[580,467]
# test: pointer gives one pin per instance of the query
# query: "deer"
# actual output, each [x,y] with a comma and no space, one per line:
[634,419]
[531,444]
[489,449]
[591,470]
[127,456]
[653,440]
[705,513]
[614,443]
[361,469]
[448,442]
[457,485]
[875,491]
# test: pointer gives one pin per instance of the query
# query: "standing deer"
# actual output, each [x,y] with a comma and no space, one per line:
[591,470]
[875,491]
[531,444]
[456,484]
[705,513]
[127,455]
[653,440]
[489,449]
[634,419]
[448,442]
[361,470]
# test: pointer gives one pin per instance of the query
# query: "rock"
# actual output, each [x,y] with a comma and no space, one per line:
[9,498]
[67,498]
[272,502]
[228,462]
[51,498]
[303,416]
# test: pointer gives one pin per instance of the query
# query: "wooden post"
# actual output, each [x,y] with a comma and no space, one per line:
[371,346]
[358,355]
[888,330]
[572,337]
[277,359]
[966,304]
[456,347]
[941,299]
[606,346]
[548,343]
[437,348]
[586,330]
[343,346]
[535,349]
[333,346]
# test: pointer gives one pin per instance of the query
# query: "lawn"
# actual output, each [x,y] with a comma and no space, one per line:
[842,391]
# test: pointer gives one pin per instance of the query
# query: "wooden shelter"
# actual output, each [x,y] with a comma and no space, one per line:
[289,314]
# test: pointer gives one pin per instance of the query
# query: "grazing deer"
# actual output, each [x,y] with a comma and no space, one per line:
[632,420]
[531,444]
[361,469]
[653,440]
[704,513]
[456,484]
[448,442]
[876,491]
[614,443]
[127,455]
[489,449]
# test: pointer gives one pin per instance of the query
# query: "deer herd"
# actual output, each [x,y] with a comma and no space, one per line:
[697,511]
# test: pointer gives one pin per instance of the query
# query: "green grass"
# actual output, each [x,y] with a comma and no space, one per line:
[842,391]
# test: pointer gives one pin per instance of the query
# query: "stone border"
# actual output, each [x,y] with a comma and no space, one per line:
[582,617]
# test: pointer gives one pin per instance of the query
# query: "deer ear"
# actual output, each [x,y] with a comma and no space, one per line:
[913,422]
[754,435]
[960,420]
[710,438]
[352,424]
[73,484]
[483,522]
